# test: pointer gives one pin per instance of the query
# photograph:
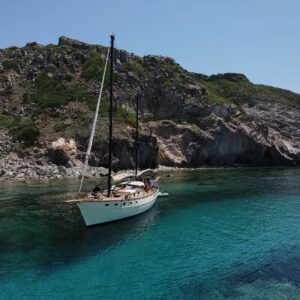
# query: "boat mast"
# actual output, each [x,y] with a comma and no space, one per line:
[136,135]
[112,38]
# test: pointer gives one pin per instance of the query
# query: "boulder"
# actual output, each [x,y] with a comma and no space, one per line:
[65,41]
[230,76]
[58,156]
[31,44]
[18,53]
[39,59]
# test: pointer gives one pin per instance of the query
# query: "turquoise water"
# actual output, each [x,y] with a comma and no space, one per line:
[222,234]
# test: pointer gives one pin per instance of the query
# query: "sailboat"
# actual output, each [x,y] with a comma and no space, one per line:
[127,194]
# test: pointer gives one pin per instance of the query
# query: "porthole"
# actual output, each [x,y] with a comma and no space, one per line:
[130,202]
[116,204]
[136,202]
[106,204]
[124,203]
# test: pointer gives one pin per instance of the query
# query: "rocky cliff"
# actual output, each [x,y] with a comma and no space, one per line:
[48,95]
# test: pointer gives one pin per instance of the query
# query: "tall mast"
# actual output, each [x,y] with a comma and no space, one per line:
[137,135]
[112,38]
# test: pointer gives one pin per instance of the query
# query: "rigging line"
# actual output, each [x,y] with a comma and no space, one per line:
[88,152]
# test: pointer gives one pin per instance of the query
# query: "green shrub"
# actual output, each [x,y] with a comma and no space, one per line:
[104,105]
[8,52]
[50,46]
[26,97]
[235,91]
[51,68]
[24,131]
[60,126]
[131,119]
[5,121]
[11,64]
[135,67]
[119,113]
[93,68]
[53,92]
[173,75]
[215,99]
[123,115]
[166,82]
[45,83]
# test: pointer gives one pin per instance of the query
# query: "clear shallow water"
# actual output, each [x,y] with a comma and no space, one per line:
[222,234]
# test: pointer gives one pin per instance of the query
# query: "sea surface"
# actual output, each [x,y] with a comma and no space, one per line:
[221,234]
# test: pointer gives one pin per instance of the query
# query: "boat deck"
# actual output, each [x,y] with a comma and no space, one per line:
[116,197]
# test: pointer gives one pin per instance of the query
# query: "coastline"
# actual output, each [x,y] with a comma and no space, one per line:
[30,173]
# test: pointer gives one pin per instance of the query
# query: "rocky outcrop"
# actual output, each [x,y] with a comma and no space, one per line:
[230,76]
[65,41]
[224,145]
[186,119]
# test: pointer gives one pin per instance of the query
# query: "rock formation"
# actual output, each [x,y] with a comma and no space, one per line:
[48,95]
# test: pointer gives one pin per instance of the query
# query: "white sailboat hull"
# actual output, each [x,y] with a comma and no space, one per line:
[98,212]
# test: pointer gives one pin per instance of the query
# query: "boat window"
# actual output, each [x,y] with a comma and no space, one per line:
[106,204]
[130,202]
[136,202]
[124,203]
[116,204]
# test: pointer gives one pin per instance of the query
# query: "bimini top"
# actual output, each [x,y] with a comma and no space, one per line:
[136,183]
[145,173]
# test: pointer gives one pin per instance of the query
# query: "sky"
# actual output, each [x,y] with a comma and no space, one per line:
[259,38]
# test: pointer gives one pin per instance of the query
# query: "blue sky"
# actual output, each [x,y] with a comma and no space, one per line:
[259,38]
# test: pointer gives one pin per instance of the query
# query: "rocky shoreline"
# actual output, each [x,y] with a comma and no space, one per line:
[27,171]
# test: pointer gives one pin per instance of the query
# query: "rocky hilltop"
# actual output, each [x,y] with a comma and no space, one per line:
[48,95]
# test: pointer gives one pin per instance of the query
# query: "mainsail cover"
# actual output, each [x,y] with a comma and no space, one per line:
[122,176]
[88,152]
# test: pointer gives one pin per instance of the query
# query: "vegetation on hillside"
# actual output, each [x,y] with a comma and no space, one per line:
[22,129]
[119,113]
[244,91]
[52,76]
[93,68]
[52,91]
[135,67]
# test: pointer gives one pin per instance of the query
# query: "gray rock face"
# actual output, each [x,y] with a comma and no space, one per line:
[65,41]
[123,153]
[226,144]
